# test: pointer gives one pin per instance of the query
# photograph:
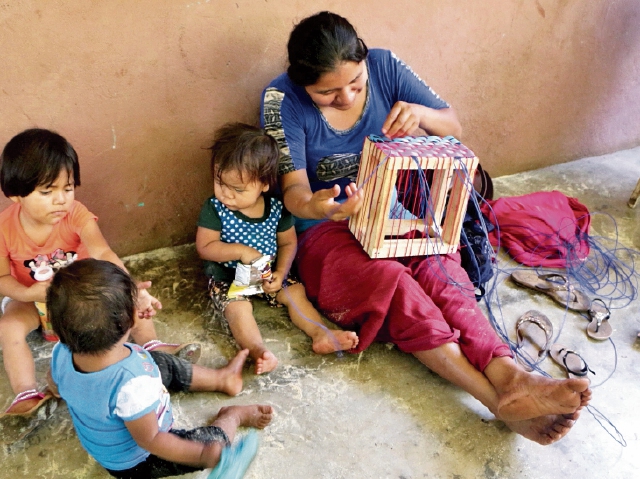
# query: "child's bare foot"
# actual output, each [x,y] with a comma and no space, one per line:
[545,430]
[326,342]
[532,396]
[266,362]
[231,374]
[254,415]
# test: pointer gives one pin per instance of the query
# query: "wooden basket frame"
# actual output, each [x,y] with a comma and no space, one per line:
[454,167]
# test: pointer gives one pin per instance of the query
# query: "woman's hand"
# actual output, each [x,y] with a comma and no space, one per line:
[324,203]
[404,118]
[303,203]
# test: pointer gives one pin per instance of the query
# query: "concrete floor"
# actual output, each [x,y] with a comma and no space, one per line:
[381,414]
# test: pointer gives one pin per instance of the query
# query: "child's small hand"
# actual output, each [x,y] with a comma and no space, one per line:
[37,292]
[274,284]
[249,254]
[147,304]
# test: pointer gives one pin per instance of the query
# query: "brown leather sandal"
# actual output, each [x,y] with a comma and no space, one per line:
[533,342]
[599,327]
[554,285]
[575,364]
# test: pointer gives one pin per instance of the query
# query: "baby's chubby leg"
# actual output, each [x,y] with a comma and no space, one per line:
[231,417]
[227,379]
[238,456]
[18,320]
[239,315]
[308,319]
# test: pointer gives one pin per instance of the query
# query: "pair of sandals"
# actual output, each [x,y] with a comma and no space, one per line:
[560,290]
[532,348]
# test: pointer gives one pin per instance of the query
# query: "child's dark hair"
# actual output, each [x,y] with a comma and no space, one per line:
[319,43]
[91,304]
[246,149]
[36,157]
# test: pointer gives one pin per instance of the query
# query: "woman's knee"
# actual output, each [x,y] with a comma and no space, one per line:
[439,267]
[378,269]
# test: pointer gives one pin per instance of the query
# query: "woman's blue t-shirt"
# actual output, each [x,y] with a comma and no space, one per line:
[331,156]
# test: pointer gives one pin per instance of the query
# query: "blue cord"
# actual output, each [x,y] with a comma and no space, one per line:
[608,271]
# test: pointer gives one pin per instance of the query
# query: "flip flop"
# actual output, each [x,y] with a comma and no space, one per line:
[533,342]
[575,365]
[18,429]
[235,459]
[188,351]
[554,285]
[599,327]
[25,396]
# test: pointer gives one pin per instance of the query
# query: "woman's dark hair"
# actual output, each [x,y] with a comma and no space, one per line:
[36,157]
[91,304]
[247,150]
[318,44]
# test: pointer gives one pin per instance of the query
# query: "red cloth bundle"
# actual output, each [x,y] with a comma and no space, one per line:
[545,228]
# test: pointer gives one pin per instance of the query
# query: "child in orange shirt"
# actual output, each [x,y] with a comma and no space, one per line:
[46,229]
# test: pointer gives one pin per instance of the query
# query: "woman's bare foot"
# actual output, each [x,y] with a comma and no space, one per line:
[254,415]
[330,341]
[231,374]
[530,396]
[266,361]
[585,397]
[545,430]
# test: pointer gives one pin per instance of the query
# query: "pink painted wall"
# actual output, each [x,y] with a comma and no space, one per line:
[139,87]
